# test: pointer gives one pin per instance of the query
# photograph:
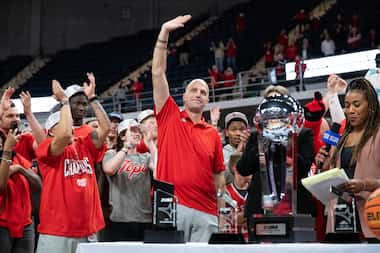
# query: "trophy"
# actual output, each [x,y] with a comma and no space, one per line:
[278,120]
[164,215]
[228,229]
[344,218]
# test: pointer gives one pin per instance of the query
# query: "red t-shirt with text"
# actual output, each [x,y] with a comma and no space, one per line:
[70,204]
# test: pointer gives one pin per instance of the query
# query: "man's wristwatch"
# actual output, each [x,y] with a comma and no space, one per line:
[64,102]
[7,161]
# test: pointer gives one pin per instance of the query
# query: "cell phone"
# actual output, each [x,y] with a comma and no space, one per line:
[14,125]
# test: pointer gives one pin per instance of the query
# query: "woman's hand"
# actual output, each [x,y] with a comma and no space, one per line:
[321,156]
[353,185]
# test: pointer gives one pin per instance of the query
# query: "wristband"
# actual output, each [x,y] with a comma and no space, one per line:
[93,99]
[7,161]
[162,41]
[161,47]
[7,153]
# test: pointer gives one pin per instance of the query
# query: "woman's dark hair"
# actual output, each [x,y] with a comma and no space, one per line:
[119,141]
[372,123]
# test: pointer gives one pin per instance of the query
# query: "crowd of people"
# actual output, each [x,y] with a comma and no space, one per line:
[310,40]
[94,176]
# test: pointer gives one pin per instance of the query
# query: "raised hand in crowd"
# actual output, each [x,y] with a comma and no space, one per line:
[89,87]
[215,115]
[58,92]
[176,23]
[38,132]
[99,135]
[160,83]
[63,129]
[335,84]
[5,102]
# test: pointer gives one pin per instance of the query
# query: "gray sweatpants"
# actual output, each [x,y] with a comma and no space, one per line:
[198,226]
[58,244]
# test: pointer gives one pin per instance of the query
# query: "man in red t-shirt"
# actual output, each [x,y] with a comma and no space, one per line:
[190,150]
[17,180]
[70,210]
[10,118]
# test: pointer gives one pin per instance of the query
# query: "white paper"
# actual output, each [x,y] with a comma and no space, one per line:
[319,185]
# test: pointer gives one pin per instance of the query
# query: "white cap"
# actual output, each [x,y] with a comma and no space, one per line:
[145,114]
[73,90]
[52,120]
[235,116]
[125,124]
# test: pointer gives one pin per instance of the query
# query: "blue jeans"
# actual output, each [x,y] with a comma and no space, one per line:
[231,62]
[219,62]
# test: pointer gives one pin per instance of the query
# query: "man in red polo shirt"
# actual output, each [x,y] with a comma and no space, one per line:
[190,150]
[70,210]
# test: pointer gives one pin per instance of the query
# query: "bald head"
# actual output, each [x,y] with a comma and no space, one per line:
[197,81]
[196,96]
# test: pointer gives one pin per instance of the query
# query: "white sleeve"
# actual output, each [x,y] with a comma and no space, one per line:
[336,111]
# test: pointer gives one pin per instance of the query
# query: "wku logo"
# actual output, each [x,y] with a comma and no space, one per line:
[131,169]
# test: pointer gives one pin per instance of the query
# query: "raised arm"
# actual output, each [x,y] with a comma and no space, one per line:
[335,85]
[112,164]
[63,132]
[160,83]
[100,134]
[5,102]
[38,132]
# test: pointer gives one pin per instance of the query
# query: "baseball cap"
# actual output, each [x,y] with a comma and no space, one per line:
[52,120]
[125,124]
[116,115]
[145,114]
[88,120]
[73,90]
[235,116]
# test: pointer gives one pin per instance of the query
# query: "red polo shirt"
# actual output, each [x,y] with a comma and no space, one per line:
[189,155]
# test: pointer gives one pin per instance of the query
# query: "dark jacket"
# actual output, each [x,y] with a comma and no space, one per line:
[249,165]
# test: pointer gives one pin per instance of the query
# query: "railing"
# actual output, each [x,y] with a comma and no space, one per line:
[247,84]
[147,65]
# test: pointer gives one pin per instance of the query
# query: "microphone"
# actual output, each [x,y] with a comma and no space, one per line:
[331,138]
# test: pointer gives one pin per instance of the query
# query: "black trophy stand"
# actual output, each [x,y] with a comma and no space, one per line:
[345,219]
[164,228]
[289,228]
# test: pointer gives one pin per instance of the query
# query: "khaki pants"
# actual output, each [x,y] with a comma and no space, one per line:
[58,244]
[198,226]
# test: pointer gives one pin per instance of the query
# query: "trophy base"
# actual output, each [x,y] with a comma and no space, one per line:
[164,236]
[282,229]
[225,238]
[348,237]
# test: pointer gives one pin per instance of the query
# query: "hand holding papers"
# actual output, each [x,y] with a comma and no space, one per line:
[319,185]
